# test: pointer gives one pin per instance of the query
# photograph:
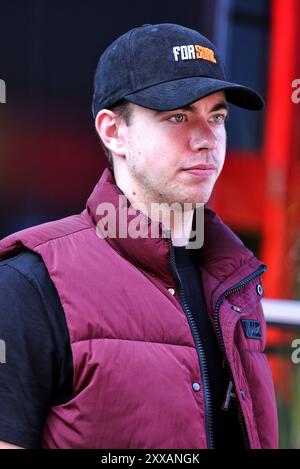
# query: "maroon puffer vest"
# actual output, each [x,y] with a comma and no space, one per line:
[135,359]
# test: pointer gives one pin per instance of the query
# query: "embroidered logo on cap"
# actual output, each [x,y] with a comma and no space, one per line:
[252,329]
[194,52]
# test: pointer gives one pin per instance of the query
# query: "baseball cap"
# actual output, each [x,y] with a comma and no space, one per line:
[164,67]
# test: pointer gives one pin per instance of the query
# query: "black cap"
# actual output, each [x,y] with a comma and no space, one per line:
[164,67]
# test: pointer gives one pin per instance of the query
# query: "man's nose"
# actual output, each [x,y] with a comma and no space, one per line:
[203,137]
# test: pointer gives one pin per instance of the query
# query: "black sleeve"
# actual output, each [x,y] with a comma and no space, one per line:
[36,360]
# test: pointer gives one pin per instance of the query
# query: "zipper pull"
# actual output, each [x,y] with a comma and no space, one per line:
[229,395]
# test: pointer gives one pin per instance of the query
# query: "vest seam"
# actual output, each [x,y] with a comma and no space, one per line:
[130,340]
[62,236]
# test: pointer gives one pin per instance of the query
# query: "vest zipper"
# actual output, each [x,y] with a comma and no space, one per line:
[230,394]
[200,352]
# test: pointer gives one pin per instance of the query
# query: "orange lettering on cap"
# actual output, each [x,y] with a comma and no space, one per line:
[205,53]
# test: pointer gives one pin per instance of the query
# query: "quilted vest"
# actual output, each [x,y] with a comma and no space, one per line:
[135,355]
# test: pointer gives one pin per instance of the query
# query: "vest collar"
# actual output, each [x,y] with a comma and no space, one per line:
[222,254]
[149,253]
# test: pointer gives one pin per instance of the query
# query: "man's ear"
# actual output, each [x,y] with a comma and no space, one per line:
[111,128]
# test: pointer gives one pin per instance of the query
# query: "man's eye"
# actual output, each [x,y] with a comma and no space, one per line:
[177,118]
[219,118]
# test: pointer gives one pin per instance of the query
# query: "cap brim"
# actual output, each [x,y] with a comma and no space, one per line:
[177,94]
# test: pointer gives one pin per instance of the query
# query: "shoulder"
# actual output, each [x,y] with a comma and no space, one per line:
[26,265]
[27,273]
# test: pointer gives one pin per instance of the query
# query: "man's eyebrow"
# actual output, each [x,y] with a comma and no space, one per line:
[219,106]
[191,107]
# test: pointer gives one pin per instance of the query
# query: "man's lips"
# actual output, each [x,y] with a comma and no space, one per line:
[201,166]
[201,170]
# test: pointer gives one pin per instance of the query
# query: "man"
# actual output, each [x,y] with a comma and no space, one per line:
[141,340]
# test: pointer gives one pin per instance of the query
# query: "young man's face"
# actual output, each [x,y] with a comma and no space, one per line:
[162,147]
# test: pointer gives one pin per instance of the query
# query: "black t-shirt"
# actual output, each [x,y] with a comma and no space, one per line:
[38,368]
[38,371]
[226,429]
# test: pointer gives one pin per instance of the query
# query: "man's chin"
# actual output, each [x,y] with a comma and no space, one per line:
[190,204]
[198,200]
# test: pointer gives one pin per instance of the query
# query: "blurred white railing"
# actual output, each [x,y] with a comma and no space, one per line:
[282,312]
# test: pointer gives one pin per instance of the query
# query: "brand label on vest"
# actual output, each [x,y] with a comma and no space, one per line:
[252,329]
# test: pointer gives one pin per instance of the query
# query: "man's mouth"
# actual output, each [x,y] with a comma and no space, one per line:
[202,170]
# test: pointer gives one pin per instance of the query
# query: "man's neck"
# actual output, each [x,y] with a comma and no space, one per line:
[175,219]
[180,231]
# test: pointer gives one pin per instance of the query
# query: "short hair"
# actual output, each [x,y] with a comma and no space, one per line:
[122,109]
